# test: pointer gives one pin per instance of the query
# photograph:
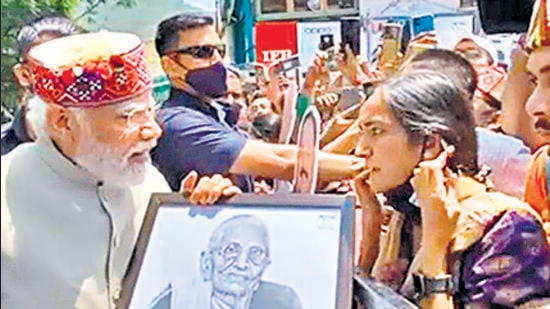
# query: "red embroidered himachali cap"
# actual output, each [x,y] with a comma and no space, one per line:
[90,70]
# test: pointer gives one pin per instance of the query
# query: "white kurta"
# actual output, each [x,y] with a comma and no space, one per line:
[66,239]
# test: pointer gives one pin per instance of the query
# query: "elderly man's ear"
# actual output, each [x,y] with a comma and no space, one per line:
[207,266]
[22,75]
[61,122]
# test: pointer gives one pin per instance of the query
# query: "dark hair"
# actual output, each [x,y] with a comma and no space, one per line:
[31,32]
[235,71]
[267,127]
[168,29]
[428,103]
[258,94]
[455,67]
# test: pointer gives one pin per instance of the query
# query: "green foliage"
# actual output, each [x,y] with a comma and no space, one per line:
[16,13]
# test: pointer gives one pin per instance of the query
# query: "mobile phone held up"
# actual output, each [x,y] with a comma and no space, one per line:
[391,43]
[286,65]
[327,45]
[351,35]
[327,42]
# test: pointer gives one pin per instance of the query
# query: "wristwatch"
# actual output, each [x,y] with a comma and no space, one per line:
[425,286]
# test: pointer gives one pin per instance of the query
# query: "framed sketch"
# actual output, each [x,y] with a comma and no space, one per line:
[253,251]
[307,161]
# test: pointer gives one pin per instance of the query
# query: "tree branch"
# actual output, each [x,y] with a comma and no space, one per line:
[89,10]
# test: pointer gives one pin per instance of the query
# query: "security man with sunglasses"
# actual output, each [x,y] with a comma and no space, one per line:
[199,130]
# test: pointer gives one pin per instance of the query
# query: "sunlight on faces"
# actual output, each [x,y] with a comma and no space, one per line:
[114,141]
[385,145]
[240,260]
[538,104]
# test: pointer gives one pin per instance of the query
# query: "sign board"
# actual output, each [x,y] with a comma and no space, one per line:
[449,28]
[310,34]
[275,41]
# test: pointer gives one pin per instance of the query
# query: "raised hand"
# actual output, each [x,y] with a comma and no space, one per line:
[435,187]
[326,101]
[317,75]
[371,220]
[207,190]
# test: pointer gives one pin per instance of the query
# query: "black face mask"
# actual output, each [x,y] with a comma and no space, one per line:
[233,113]
[210,81]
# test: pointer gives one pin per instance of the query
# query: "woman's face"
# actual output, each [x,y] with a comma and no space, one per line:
[384,144]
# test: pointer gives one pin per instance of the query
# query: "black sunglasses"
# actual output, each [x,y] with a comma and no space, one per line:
[202,51]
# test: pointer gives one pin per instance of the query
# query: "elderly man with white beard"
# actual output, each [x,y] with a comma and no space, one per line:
[72,204]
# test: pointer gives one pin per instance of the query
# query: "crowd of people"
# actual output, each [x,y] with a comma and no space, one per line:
[446,152]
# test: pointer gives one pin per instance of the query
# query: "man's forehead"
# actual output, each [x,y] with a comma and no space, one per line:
[142,101]
[198,36]
[261,101]
[243,234]
[539,61]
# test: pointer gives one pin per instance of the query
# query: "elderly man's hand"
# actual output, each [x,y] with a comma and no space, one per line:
[207,190]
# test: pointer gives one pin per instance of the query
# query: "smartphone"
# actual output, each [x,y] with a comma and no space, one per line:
[289,64]
[351,113]
[391,42]
[260,73]
[349,97]
[285,65]
[351,35]
[326,42]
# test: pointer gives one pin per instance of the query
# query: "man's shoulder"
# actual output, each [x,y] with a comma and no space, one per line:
[8,138]
[6,127]
[274,295]
[22,152]
[182,118]
[174,108]
[489,139]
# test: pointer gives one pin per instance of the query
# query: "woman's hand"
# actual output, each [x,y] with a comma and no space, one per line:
[261,187]
[365,194]
[207,190]
[327,101]
[371,221]
[435,187]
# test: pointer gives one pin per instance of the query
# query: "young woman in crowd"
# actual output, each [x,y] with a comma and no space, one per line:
[451,241]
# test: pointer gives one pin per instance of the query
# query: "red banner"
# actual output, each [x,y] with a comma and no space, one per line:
[275,40]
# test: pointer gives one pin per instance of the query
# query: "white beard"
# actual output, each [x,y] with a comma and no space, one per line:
[111,165]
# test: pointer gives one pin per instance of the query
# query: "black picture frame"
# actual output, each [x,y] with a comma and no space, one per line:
[170,205]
